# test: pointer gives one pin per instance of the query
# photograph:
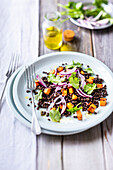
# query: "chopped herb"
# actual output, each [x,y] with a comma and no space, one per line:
[75,109]
[89,88]
[89,70]
[39,95]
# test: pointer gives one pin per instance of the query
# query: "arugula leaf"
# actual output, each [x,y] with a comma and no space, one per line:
[74,81]
[55,115]
[77,64]
[74,109]
[69,66]
[73,65]
[55,79]
[39,95]
[89,88]
[89,70]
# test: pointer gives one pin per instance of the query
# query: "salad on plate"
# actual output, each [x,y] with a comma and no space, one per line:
[89,15]
[69,91]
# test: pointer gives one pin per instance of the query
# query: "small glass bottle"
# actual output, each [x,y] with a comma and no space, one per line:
[52,31]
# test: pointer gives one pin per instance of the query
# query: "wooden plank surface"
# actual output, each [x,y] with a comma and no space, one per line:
[83,150]
[92,149]
[49,147]
[104,52]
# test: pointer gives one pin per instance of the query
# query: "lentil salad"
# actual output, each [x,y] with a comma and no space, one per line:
[69,90]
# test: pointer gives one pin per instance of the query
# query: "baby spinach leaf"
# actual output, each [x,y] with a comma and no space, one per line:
[89,88]
[74,81]
[55,115]
[55,79]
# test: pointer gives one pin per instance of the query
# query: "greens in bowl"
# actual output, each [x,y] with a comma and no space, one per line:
[89,15]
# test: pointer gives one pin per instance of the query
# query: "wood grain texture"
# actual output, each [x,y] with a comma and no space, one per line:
[103,50]
[85,150]
[21,32]
[49,147]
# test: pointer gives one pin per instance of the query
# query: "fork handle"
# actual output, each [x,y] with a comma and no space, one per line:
[3,93]
[35,127]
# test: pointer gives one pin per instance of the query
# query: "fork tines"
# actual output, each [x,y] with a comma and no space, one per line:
[30,76]
[13,64]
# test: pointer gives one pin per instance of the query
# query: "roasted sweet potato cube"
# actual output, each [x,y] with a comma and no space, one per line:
[79,115]
[82,72]
[60,68]
[99,86]
[70,105]
[102,101]
[91,78]
[74,97]
[52,72]
[64,93]
[90,81]
[37,83]
[53,108]
[47,91]
[71,90]
[92,108]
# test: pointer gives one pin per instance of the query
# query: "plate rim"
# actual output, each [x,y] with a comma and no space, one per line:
[110,109]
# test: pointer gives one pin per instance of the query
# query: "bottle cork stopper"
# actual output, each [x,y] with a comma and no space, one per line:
[68,35]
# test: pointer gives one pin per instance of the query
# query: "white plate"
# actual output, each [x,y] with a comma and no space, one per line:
[108,8]
[18,115]
[47,62]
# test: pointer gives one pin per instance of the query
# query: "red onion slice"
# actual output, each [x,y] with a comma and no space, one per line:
[41,81]
[81,93]
[83,83]
[102,22]
[69,72]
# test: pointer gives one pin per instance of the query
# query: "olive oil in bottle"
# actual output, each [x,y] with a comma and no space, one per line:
[52,32]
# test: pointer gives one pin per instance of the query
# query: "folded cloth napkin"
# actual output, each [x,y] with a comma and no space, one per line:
[17,143]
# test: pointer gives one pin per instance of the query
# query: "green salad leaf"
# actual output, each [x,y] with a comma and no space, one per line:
[89,88]
[55,79]
[89,70]
[75,109]
[55,115]
[74,81]
[77,64]
[73,65]
[75,10]
[110,20]
[74,5]
[98,3]
[39,95]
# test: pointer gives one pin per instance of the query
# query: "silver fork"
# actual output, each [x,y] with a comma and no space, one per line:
[30,76]
[13,64]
